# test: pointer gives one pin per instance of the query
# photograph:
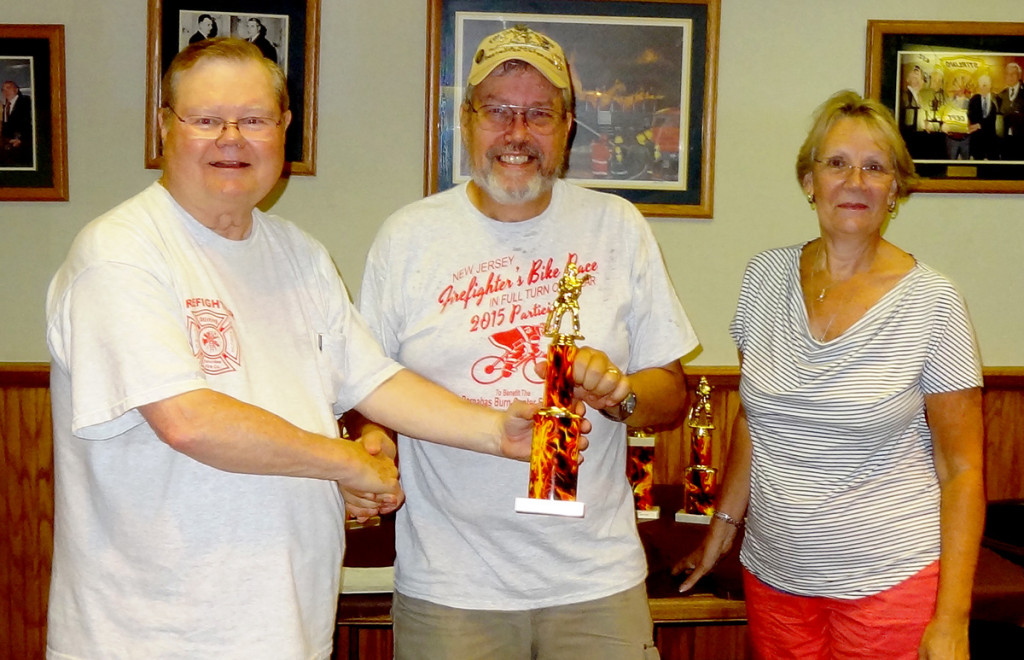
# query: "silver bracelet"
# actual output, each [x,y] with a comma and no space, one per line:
[726,518]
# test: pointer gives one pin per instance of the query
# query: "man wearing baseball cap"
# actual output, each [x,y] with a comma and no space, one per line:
[444,278]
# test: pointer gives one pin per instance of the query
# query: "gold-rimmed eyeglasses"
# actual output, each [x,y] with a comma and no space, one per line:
[542,121]
[840,168]
[209,127]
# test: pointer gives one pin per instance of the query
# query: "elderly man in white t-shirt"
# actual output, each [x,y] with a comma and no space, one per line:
[447,280]
[202,350]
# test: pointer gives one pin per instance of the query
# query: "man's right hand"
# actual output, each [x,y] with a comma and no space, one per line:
[363,504]
[367,472]
[516,435]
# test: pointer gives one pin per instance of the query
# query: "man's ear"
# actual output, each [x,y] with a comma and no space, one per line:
[464,119]
[161,125]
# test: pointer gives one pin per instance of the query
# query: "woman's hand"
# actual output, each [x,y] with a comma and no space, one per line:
[717,543]
[944,640]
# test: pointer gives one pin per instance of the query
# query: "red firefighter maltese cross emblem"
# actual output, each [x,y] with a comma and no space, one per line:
[213,341]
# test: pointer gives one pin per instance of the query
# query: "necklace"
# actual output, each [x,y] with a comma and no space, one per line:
[821,337]
[849,296]
[821,256]
[823,269]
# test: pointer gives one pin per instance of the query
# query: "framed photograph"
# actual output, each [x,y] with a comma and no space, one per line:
[286,31]
[956,92]
[33,121]
[644,73]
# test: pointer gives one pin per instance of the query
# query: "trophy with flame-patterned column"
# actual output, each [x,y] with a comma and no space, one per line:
[556,428]
[699,489]
[640,444]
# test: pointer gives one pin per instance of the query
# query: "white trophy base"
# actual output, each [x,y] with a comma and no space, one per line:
[564,508]
[683,517]
[648,514]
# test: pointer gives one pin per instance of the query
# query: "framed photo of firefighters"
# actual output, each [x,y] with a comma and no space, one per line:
[644,76]
[957,92]
[285,31]
[33,120]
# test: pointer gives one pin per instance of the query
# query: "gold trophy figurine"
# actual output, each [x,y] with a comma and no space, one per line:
[556,429]
[699,489]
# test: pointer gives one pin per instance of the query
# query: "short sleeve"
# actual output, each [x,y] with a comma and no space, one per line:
[954,361]
[660,329]
[738,326]
[374,299]
[358,364]
[117,330]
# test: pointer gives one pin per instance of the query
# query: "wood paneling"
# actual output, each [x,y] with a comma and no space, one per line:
[709,642]
[1003,403]
[356,643]
[26,509]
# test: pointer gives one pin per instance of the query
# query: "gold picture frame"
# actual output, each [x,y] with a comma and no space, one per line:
[34,145]
[929,73]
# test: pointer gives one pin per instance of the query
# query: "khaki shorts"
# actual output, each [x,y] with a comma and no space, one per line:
[614,628]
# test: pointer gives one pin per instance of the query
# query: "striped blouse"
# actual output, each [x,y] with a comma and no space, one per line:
[844,496]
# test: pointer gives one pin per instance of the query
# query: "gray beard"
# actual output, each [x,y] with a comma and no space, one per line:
[536,187]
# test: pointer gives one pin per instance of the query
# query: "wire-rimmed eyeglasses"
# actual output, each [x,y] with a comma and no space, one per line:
[542,121]
[840,168]
[211,127]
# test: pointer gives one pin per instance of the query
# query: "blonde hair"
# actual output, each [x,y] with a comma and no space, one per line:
[876,117]
[221,48]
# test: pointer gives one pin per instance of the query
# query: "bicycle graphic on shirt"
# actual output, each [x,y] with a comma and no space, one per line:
[520,351]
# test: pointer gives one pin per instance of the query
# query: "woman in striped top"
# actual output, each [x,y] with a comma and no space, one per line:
[857,454]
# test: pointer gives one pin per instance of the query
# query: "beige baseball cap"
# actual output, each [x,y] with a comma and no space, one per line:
[521,43]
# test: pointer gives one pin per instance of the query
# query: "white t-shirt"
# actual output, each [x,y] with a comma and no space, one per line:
[155,554]
[459,298]
[844,497]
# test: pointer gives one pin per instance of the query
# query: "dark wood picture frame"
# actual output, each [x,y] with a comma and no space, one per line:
[681,184]
[298,46]
[35,168]
[952,57]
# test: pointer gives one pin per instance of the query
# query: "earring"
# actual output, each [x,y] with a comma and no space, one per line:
[810,200]
[892,209]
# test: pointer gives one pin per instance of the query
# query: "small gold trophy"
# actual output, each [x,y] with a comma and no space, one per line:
[556,429]
[699,489]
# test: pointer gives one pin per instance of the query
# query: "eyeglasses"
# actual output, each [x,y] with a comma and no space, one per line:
[210,128]
[838,167]
[542,121]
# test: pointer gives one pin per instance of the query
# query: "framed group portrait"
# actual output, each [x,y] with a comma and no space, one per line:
[33,122]
[286,32]
[956,90]
[644,74]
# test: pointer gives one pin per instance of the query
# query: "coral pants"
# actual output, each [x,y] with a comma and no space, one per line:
[886,625]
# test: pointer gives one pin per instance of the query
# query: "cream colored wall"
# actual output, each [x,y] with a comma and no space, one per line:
[778,60]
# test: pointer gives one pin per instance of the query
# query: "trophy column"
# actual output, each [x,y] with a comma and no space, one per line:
[554,458]
[701,479]
[640,471]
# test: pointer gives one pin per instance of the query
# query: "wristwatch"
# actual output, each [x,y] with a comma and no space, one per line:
[621,412]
